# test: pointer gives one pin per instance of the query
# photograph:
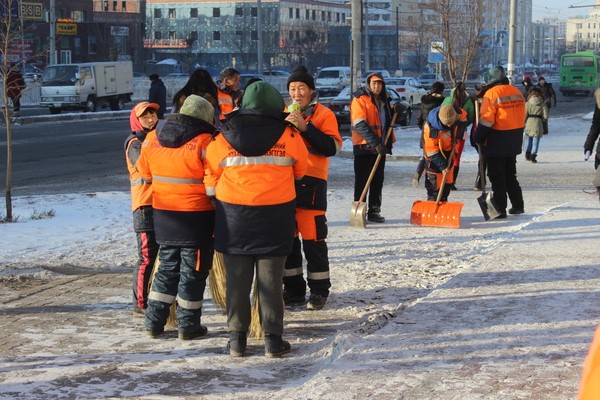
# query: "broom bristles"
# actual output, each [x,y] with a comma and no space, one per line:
[255,329]
[217,281]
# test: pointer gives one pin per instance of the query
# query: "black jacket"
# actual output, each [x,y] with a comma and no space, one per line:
[158,94]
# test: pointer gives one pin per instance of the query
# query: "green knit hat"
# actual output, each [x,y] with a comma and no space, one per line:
[262,96]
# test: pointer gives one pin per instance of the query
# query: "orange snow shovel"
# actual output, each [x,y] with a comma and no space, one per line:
[358,213]
[437,213]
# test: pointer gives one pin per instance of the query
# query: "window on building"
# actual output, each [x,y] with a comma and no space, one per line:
[239,12]
[172,13]
[157,35]
[239,33]
[123,6]
[92,46]
[216,12]
[254,35]
[291,13]
[216,35]
[78,16]
[307,14]
[322,15]
[328,16]
[194,35]
[193,13]
[114,6]
[297,13]
[105,6]
[172,35]
[253,11]
[343,17]
[337,17]
[157,13]
[314,15]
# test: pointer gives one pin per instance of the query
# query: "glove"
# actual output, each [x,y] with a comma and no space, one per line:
[398,108]
[587,155]
[381,149]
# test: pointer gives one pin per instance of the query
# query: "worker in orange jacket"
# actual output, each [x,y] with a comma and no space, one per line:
[371,116]
[228,92]
[500,137]
[142,120]
[319,129]
[251,170]
[172,159]
[589,386]
[439,139]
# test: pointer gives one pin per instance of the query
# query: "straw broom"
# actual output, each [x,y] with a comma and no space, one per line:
[172,320]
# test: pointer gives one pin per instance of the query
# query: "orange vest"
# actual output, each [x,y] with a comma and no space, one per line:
[363,109]
[141,189]
[256,181]
[589,386]
[226,103]
[443,140]
[177,174]
[323,119]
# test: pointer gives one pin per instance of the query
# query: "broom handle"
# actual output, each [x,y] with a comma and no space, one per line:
[377,160]
[445,172]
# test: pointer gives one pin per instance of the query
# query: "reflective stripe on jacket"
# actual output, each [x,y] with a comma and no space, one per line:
[226,103]
[141,190]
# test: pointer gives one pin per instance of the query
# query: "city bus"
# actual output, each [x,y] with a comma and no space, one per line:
[579,73]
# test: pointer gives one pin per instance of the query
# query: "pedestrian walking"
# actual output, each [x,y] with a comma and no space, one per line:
[370,117]
[228,91]
[549,96]
[142,121]
[15,84]
[158,94]
[527,85]
[500,136]
[592,137]
[431,100]
[172,159]
[319,129]
[201,84]
[251,169]
[536,123]
[439,133]
[460,99]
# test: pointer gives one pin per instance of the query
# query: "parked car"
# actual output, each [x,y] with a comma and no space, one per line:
[32,72]
[408,87]
[532,75]
[331,80]
[429,79]
[244,78]
[384,73]
[340,105]
[276,72]
[173,75]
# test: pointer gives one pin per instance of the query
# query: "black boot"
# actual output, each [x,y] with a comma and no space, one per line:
[275,346]
[528,156]
[237,344]
[452,186]
[532,158]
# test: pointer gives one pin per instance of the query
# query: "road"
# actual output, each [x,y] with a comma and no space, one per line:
[88,156]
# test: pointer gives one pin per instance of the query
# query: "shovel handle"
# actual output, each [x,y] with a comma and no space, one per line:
[377,161]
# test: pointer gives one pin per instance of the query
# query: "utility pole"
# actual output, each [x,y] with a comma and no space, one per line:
[355,30]
[512,34]
[52,38]
[259,45]
[366,46]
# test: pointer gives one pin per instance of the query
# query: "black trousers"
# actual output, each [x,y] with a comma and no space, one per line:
[363,164]
[502,172]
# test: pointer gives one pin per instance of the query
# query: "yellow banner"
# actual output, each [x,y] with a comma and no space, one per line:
[66,29]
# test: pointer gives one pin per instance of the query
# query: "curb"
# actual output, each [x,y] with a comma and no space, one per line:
[102,115]
[349,155]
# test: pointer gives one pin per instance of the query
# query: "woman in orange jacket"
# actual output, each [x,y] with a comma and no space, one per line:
[251,170]
[142,120]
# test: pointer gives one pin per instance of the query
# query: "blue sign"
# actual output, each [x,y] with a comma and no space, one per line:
[436,49]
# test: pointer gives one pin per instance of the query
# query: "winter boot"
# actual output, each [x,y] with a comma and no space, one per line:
[452,186]
[477,185]
[528,156]
[275,346]
[533,160]
[237,344]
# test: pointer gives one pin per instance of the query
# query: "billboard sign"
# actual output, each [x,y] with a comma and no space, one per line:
[435,51]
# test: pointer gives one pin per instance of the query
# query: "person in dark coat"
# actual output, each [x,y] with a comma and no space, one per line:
[592,137]
[14,86]
[158,94]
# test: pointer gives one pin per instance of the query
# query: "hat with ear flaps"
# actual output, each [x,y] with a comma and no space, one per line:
[262,96]
[198,107]
[495,74]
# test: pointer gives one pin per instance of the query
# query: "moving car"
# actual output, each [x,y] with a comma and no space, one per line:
[408,87]
[340,105]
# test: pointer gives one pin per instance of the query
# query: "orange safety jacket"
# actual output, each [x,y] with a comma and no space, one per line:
[226,103]
[141,189]
[261,180]
[589,385]
[177,174]
[501,121]
[362,108]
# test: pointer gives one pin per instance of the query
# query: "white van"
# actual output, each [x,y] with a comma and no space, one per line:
[331,80]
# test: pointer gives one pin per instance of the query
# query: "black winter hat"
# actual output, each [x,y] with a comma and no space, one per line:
[301,74]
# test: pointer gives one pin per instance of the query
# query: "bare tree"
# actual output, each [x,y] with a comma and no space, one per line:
[11,31]
[459,23]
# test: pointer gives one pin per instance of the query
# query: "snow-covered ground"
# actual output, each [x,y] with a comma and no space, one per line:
[398,324]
